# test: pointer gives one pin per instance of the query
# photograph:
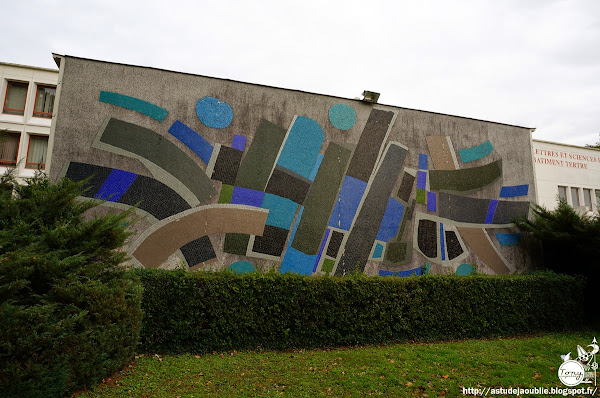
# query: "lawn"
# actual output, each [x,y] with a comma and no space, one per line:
[396,370]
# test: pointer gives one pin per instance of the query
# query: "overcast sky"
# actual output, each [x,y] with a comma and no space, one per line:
[532,63]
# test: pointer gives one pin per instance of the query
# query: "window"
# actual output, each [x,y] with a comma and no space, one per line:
[562,193]
[9,146]
[14,102]
[575,196]
[587,198]
[44,101]
[36,154]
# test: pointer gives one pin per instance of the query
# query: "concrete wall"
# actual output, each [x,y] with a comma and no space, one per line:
[576,169]
[230,174]
[25,125]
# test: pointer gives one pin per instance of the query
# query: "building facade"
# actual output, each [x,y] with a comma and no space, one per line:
[569,172]
[227,174]
[28,95]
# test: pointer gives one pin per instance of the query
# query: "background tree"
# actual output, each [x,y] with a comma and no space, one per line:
[570,244]
[596,145]
[70,313]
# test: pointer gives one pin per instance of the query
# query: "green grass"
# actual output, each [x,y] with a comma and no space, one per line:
[399,370]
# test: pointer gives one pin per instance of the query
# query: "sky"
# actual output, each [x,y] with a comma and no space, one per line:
[531,63]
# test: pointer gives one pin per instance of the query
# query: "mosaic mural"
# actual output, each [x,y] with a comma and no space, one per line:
[287,196]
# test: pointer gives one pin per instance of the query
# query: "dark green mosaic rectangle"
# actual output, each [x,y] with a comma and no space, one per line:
[367,222]
[465,179]
[256,167]
[160,151]
[321,199]
[369,144]
[236,244]
[406,186]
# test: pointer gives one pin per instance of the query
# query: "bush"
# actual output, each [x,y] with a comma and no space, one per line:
[570,244]
[70,315]
[204,312]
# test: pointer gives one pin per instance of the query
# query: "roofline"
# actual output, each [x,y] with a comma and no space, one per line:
[29,67]
[57,58]
[571,145]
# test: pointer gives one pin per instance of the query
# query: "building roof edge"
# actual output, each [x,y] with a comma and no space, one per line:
[57,56]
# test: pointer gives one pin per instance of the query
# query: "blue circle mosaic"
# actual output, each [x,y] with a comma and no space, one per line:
[214,113]
[342,116]
[465,269]
[242,267]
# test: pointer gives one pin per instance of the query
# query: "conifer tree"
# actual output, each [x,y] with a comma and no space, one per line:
[70,313]
[570,244]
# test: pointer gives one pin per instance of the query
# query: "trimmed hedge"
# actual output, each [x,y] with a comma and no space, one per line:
[203,312]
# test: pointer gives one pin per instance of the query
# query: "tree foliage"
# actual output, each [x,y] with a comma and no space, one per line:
[596,145]
[570,244]
[571,241]
[70,313]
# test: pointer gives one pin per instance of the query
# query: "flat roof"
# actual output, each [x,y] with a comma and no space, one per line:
[570,145]
[29,67]
[58,56]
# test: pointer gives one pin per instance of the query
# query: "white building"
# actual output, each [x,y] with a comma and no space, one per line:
[569,172]
[27,94]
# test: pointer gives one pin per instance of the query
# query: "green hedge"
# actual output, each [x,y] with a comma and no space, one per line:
[202,312]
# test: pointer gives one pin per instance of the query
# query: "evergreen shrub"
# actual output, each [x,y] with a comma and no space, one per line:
[570,245]
[204,312]
[69,314]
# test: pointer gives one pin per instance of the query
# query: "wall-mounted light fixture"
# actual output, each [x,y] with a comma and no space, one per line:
[370,96]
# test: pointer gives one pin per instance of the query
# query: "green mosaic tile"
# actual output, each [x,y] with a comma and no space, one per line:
[421,194]
[321,199]
[226,193]
[465,179]
[396,251]
[236,243]
[256,167]
[327,265]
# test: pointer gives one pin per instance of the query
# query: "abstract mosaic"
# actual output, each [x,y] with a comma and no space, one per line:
[242,177]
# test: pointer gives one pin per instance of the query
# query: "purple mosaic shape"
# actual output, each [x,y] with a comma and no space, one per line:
[115,185]
[239,142]
[514,191]
[347,203]
[421,179]
[391,220]
[431,202]
[489,218]
[442,242]
[192,140]
[415,271]
[245,196]
[422,161]
[321,250]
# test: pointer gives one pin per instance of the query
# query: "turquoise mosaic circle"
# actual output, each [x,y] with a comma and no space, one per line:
[465,269]
[214,113]
[342,116]
[242,267]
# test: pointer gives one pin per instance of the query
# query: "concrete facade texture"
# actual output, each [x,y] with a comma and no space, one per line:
[289,154]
